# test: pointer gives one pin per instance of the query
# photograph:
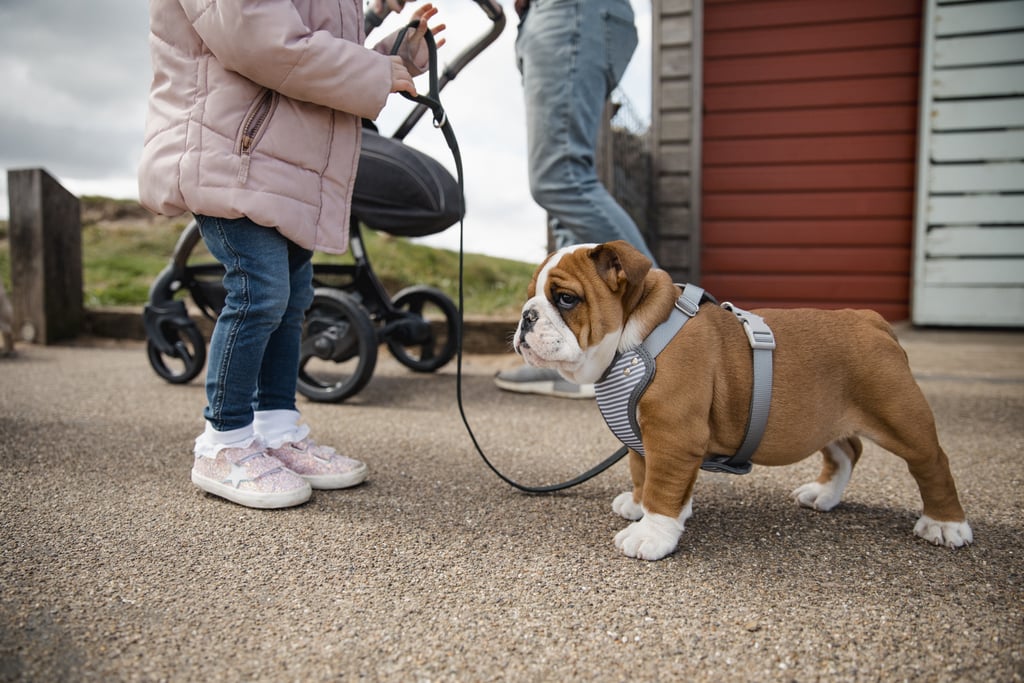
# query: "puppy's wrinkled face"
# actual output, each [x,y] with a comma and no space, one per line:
[578,304]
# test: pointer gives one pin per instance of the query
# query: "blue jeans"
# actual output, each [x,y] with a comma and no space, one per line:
[571,54]
[254,352]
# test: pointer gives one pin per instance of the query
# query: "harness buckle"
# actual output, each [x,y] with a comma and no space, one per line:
[759,334]
[688,302]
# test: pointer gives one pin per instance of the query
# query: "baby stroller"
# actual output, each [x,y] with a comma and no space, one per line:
[399,191]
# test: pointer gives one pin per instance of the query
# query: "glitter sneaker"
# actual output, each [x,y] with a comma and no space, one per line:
[250,477]
[322,466]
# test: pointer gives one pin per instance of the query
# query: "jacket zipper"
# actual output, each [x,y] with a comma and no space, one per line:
[250,128]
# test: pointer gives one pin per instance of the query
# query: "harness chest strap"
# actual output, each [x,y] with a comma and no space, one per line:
[762,342]
[620,389]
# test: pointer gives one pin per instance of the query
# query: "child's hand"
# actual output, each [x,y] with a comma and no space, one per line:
[401,80]
[413,51]
[415,47]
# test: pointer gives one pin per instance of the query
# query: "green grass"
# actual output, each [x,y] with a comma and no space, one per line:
[122,260]
[123,251]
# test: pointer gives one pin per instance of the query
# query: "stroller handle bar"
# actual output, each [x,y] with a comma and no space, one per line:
[490,8]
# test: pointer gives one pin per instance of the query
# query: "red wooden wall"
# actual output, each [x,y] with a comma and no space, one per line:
[809,144]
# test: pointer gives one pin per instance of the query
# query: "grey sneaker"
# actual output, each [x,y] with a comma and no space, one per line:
[543,381]
[250,477]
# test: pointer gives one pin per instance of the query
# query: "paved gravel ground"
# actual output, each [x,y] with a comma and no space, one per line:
[114,567]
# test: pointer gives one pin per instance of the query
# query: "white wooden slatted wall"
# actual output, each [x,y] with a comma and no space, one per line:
[969,224]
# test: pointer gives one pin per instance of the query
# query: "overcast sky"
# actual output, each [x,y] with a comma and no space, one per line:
[75,77]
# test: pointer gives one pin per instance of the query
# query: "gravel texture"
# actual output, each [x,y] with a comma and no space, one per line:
[114,567]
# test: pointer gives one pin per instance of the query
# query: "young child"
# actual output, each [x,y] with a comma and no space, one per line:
[254,126]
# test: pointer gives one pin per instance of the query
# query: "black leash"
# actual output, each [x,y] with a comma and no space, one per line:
[433,102]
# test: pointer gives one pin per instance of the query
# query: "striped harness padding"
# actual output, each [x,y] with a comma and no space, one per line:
[620,388]
[618,391]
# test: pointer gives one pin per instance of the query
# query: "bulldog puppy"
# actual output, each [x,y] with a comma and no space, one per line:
[838,376]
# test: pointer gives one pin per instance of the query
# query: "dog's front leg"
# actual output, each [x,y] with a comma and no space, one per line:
[667,503]
[627,504]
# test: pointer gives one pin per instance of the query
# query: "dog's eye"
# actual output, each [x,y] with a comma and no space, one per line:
[566,301]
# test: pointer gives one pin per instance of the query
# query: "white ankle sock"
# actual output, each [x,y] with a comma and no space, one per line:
[278,427]
[211,442]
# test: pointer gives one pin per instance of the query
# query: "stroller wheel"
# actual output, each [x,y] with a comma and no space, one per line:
[187,357]
[339,347]
[427,335]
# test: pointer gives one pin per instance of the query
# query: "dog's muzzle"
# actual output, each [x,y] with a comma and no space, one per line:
[529,319]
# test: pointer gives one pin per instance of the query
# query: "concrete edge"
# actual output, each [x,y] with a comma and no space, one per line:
[482,335]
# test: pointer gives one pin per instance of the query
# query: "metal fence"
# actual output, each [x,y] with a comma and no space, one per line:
[631,173]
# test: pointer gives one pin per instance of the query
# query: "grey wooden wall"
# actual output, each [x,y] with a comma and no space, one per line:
[675,144]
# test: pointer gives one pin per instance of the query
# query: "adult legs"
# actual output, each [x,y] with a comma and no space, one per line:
[571,54]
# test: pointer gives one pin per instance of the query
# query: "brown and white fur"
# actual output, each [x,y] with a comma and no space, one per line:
[838,376]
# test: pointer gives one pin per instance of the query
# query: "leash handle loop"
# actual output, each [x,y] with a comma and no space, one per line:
[433,102]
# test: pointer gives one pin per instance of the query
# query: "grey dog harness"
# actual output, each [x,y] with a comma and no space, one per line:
[620,388]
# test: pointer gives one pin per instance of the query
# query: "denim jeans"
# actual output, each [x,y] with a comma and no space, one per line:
[571,54]
[254,351]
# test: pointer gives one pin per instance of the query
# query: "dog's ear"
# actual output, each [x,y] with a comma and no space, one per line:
[622,267]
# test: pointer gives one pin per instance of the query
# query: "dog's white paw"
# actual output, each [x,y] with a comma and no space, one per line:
[624,506]
[822,497]
[652,538]
[949,534]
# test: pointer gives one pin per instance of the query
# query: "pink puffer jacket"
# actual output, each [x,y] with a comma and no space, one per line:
[255,110]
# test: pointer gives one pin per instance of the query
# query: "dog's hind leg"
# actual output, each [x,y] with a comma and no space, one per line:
[910,433]
[838,460]
[942,521]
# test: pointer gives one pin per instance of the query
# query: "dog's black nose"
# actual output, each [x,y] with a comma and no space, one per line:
[529,318]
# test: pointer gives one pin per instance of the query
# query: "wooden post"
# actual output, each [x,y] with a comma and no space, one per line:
[46,257]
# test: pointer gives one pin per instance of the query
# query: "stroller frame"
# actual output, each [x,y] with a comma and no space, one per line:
[352,313]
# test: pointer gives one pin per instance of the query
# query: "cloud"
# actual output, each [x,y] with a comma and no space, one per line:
[75,61]
[77,149]
[76,77]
